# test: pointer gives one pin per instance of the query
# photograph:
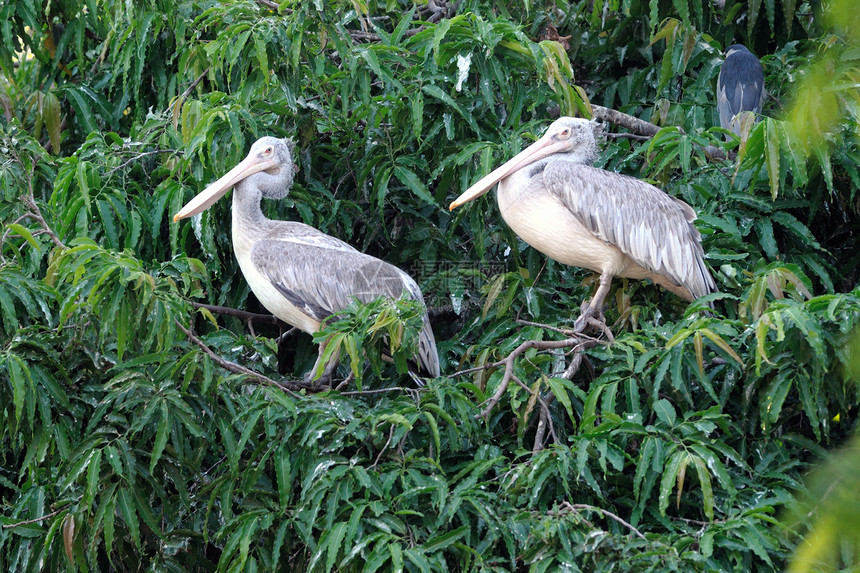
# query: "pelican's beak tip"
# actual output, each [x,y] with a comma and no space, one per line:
[176,218]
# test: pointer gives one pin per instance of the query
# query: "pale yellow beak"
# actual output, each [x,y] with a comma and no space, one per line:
[206,198]
[541,148]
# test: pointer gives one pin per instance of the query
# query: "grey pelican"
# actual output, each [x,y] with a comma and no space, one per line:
[740,87]
[582,216]
[300,274]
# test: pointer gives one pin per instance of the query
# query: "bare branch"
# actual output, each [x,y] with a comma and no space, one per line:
[194,84]
[34,212]
[575,341]
[273,6]
[508,363]
[606,513]
[36,519]
[37,215]
[544,422]
[238,369]
[140,155]
[237,313]
[642,130]
[625,135]
[634,124]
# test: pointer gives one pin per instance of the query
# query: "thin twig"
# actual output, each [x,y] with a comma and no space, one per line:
[698,521]
[36,519]
[385,447]
[140,155]
[508,363]
[577,506]
[238,369]
[565,331]
[625,135]
[193,84]
[544,421]
[237,313]
[34,213]
[345,382]
[37,214]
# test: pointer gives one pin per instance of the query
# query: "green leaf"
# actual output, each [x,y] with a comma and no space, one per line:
[53,121]
[670,475]
[705,484]
[665,411]
[262,55]
[764,226]
[442,541]
[411,180]
[771,149]
[19,375]
[557,385]
[161,436]
[334,541]
[129,515]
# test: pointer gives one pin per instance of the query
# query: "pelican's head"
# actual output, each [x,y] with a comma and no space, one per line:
[567,138]
[268,168]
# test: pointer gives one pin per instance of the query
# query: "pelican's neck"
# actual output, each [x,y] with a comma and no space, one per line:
[583,155]
[246,207]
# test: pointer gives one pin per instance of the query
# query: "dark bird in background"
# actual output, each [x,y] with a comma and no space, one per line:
[582,216]
[298,273]
[740,87]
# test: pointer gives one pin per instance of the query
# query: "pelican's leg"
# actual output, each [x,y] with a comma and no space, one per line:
[328,371]
[592,312]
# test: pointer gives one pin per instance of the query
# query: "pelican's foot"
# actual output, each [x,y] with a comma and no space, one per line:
[593,318]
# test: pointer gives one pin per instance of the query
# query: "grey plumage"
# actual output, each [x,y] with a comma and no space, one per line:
[740,87]
[300,274]
[298,251]
[652,228]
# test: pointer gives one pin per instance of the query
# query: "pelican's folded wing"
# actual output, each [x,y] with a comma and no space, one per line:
[649,226]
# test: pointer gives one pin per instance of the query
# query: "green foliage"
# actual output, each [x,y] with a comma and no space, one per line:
[369,330]
[678,446]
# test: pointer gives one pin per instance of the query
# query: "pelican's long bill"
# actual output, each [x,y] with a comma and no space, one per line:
[247,167]
[543,147]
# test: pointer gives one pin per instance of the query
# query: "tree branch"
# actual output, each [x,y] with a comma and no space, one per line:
[140,155]
[634,124]
[606,513]
[508,363]
[36,519]
[193,84]
[576,341]
[237,313]
[34,213]
[642,130]
[238,369]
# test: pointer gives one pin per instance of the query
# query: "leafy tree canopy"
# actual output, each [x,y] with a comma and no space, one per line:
[132,440]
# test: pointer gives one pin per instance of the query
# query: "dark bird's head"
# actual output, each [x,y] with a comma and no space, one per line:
[268,169]
[567,138]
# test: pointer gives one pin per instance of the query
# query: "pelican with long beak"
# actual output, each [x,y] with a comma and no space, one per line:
[300,274]
[582,216]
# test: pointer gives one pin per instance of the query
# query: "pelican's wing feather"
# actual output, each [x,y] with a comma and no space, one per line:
[652,228]
[321,274]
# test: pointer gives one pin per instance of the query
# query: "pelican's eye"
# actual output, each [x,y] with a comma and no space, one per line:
[268,150]
[564,133]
